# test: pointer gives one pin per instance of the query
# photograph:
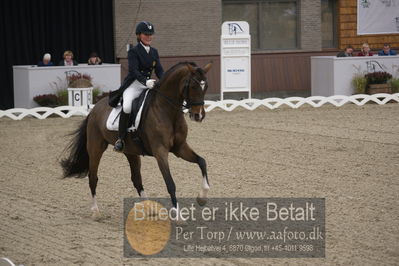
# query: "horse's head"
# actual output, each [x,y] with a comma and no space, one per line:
[194,91]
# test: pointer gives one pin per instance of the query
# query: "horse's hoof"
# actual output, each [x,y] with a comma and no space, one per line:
[201,201]
[95,215]
[143,195]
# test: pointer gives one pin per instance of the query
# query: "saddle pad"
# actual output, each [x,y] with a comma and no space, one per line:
[113,118]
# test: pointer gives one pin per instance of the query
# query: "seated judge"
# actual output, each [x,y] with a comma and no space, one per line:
[94,59]
[68,59]
[46,61]
[347,52]
[365,50]
[386,50]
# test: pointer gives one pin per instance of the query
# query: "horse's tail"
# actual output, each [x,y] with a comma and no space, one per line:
[77,163]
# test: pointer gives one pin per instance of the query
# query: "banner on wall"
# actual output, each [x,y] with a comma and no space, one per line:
[377,16]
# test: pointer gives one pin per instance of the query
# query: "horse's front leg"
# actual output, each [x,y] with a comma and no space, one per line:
[163,164]
[162,159]
[186,153]
[135,166]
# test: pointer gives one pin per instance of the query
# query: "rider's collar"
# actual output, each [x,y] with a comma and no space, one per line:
[147,48]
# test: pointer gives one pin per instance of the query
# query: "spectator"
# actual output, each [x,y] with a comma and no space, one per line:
[347,53]
[365,50]
[386,50]
[46,61]
[68,60]
[94,59]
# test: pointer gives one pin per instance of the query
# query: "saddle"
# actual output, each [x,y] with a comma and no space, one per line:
[139,110]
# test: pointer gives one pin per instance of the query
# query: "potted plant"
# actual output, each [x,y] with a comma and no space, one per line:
[79,80]
[80,89]
[377,82]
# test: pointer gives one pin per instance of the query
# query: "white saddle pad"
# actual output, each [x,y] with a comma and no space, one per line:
[113,118]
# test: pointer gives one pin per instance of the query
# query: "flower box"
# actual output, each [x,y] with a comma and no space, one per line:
[379,88]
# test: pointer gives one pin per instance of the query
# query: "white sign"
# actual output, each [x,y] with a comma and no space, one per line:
[235,58]
[331,75]
[377,16]
[80,96]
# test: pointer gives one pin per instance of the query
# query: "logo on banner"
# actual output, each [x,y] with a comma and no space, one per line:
[365,3]
[373,66]
[234,28]
[238,70]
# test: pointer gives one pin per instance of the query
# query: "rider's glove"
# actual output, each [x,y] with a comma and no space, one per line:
[150,83]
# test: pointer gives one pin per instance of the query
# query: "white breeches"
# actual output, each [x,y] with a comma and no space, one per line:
[130,94]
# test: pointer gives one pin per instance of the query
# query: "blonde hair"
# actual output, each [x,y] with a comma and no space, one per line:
[364,45]
[68,53]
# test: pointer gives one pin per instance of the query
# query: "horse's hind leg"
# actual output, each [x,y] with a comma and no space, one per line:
[135,166]
[186,153]
[95,147]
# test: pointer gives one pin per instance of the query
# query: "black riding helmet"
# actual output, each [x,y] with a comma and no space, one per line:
[145,27]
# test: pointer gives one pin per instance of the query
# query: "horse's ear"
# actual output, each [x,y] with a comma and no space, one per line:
[207,67]
[191,68]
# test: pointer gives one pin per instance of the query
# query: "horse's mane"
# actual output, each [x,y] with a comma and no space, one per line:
[171,70]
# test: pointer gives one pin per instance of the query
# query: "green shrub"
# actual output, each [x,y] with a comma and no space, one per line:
[62,97]
[96,92]
[394,82]
[359,82]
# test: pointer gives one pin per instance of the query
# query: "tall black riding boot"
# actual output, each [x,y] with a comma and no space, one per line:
[123,125]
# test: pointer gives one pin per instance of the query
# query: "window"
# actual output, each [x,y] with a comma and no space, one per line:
[328,24]
[273,23]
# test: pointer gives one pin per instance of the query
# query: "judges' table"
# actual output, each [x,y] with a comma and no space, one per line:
[30,81]
[333,75]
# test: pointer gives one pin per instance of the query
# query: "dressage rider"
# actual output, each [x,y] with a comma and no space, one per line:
[143,59]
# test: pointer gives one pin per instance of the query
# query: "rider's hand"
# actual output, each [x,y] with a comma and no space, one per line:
[150,83]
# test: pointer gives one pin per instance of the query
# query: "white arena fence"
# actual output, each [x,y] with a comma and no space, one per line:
[226,105]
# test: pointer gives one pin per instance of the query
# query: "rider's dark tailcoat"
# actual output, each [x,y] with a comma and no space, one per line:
[141,65]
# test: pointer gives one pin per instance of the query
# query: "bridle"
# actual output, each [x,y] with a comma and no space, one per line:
[186,93]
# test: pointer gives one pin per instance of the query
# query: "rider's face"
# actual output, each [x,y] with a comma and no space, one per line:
[145,38]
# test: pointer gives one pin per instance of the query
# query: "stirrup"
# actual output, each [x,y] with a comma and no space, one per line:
[119,144]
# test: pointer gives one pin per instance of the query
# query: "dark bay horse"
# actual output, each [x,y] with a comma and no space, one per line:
[163,130]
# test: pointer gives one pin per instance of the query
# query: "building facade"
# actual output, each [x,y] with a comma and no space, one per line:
[284,35]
